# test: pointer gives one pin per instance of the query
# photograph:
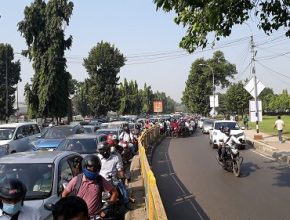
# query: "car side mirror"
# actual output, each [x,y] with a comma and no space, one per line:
[19,136]
[49,206]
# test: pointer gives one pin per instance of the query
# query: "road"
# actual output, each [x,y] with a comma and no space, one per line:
[193,186]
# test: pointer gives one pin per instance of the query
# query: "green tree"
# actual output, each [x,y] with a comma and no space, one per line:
[266,96]
[199,85]
[103,64]
[203,17]
[281,102]
[80,100]
[42,28]
[13,73]
[147,100]
[237,99]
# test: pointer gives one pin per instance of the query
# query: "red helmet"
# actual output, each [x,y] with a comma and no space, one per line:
[111,139]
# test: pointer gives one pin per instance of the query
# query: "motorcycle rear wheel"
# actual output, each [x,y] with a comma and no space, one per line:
[236,168]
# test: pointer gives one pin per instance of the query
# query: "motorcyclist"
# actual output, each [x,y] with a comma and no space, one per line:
[12,194]
[228,140]
[127,136]
[112,166]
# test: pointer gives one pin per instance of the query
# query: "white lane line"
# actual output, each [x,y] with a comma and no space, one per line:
[262,155]
[172,174]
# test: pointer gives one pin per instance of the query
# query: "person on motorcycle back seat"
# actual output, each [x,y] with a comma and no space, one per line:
[228,141]
[174,124]
[127,136]
[113,142]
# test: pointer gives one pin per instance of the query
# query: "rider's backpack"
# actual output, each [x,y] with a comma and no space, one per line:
[79,182]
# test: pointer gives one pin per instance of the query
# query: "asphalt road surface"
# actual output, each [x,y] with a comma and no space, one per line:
[193,186]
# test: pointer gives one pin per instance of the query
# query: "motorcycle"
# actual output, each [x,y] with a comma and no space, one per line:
[126,152]
[232,160]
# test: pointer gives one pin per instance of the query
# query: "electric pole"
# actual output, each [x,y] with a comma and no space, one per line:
[255,83]
[6,87]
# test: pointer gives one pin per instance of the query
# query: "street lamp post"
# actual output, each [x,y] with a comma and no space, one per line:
[213,86]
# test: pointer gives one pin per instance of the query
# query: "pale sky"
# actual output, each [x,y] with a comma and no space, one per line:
[149,39]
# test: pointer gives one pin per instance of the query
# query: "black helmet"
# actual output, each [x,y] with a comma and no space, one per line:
[12,189]
[126,128]
[227,130]
[104,149]
[92,161]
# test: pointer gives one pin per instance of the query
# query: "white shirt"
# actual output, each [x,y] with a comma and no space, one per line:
[230,140]
[26,213]
[279,124]
[110,166]
[126,137]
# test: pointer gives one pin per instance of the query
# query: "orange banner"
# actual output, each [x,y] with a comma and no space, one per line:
[158,106]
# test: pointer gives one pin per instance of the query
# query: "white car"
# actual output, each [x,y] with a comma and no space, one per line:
[215,134]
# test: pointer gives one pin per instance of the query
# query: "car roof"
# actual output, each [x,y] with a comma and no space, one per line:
[35,156]
[84,136]
[110,129]
[225,121]
[15,125]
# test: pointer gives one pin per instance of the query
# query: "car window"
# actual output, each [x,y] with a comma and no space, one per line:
[230,125]
[6,133]
[36,129]
[82,145]
[38,178]
[58,132]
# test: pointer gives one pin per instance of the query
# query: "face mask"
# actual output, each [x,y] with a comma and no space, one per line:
[90,175]
[12,209]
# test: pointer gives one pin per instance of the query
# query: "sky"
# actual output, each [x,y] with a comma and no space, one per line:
[149,40]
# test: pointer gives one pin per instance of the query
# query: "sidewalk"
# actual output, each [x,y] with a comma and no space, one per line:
[270,145]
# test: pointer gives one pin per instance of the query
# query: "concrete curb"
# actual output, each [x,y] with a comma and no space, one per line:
[137,191]
[270,150]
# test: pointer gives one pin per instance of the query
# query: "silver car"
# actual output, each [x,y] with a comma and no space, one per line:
[43,173]
[207,125]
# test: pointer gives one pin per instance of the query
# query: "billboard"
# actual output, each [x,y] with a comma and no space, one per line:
[157,106]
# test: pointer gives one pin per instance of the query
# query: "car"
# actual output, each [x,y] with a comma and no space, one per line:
[216,133]
[82,143]
[207,125]
[51,139]
[106,131]
[90,129]
[44,174]
[200,123]
[16,137]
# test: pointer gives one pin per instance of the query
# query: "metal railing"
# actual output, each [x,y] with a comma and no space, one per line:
[154,205]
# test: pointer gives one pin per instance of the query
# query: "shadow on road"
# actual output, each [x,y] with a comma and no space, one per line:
[283,175]
[179,203]
[248,168]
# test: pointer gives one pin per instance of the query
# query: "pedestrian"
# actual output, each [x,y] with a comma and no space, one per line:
[279,125]
[12,194]
[246,121]
[71,207]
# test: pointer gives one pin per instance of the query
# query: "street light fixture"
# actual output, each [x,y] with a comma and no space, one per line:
[213,86]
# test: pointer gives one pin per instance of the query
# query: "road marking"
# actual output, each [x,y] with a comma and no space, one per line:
[262,155]
[172,174]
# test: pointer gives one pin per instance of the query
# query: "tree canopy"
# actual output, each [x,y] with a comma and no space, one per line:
[13,73]
[42,28]
[199,85]
[103,64]
[203,17]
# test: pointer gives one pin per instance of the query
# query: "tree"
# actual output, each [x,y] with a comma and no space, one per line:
[266,96]
[103,64]
[147,100]
[237,99]
[199,83]
[42,28]
[81,100]
[203,17]
[280,103]
[13,73]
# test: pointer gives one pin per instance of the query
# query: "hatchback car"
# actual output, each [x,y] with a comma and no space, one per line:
[55,135]
[82,143]
[207,125]
[44,173]
[16,137]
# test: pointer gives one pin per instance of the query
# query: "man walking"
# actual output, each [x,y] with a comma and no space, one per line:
[279,124]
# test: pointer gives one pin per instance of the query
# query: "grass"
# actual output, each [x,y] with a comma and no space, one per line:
[267,125]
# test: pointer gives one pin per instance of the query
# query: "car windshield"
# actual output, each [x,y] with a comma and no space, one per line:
[205,122]
[88,129]
[38,178]
[6,133]
[83,146]
[106,132]
[230,125]
[58,133]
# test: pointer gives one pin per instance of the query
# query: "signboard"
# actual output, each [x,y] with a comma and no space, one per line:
[214,102]
[250,86]
[252,109]
[157,106]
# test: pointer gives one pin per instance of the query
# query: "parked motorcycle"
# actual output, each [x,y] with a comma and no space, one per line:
[232,160]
